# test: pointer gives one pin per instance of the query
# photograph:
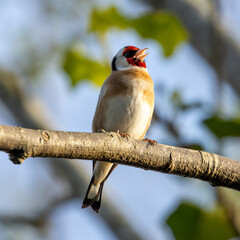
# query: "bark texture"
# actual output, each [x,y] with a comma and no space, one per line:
[22,143]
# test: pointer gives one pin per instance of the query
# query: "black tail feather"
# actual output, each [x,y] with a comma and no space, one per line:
[97,203]
[87,202]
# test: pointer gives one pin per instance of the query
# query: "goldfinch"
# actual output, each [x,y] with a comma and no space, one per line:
[125,105]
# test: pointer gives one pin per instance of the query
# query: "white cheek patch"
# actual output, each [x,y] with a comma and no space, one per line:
[122,63]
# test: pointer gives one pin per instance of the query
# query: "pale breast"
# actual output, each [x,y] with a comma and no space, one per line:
[124,105]
[128,114]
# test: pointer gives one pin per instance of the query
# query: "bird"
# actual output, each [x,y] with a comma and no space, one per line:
[125,105]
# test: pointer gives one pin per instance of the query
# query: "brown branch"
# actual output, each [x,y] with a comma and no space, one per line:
[22,143]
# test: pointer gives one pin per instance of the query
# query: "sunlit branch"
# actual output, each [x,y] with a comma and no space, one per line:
[22,143]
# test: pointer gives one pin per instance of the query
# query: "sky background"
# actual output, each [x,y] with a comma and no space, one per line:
[146,198]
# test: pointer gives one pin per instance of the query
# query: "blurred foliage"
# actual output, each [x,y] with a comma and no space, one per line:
[194,146]
[161,26]
[189,222]
[180,105]
[230,199]
[80,68]
[223,127]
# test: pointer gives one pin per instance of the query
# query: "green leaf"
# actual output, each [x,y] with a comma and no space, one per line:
[223,127]
[194,146]
[81,68]
[161,26]
[176,99]
[190,222]
[179,104]
[102,21]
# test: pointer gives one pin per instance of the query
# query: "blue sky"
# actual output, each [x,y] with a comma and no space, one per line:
[145,197]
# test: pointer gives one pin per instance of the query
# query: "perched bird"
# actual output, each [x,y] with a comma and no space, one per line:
[125,105]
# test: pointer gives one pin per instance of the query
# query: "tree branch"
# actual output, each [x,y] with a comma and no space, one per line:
[22,143]
[75,176]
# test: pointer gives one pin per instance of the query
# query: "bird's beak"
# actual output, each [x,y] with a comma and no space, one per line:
[140,54]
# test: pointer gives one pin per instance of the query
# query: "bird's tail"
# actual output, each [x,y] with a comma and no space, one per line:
[93,196]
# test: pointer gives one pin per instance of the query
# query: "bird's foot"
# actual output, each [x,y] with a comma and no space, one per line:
[124,135]
[152,142]
[103,131]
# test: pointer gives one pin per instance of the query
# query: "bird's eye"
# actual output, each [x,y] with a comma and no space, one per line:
[129,54]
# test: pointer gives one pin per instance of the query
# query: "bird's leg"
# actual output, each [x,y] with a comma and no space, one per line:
[103,131]
[152,142]
[124,135]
